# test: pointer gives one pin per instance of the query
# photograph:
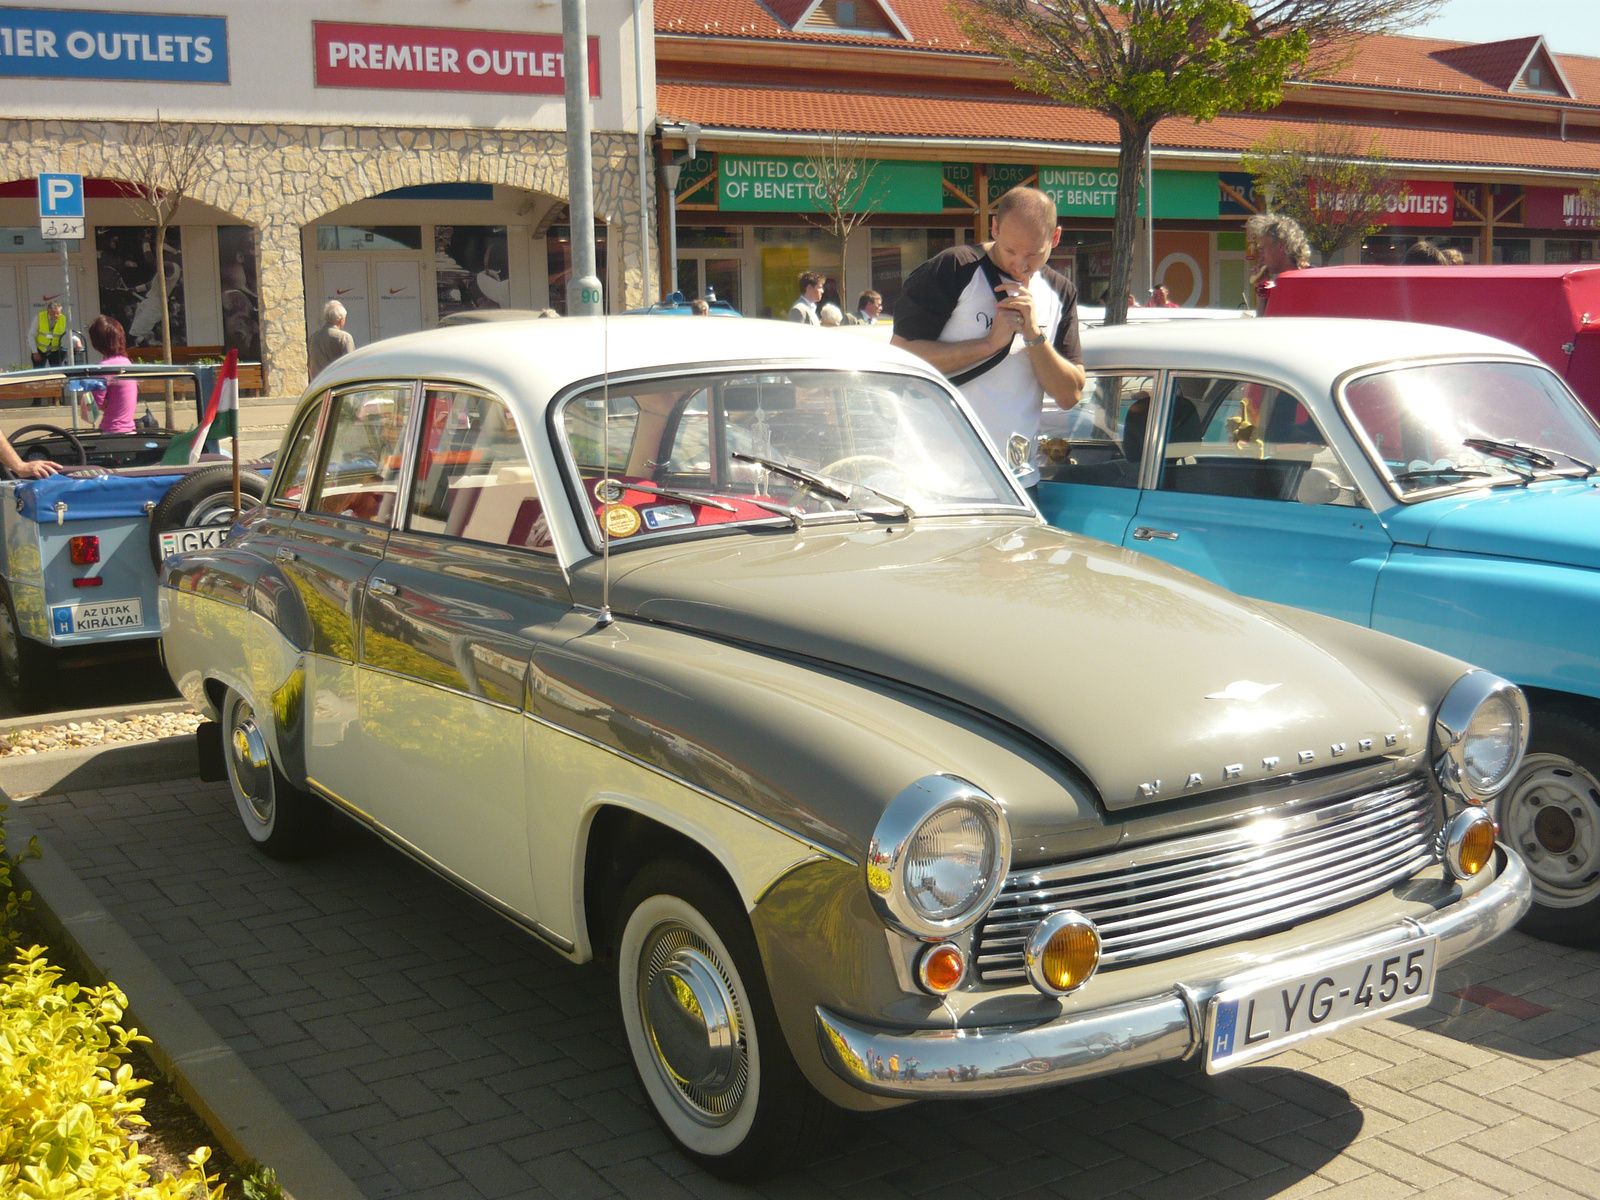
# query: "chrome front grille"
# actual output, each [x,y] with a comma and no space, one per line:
[1285,865]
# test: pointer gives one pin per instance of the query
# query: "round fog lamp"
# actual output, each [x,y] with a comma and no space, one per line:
[1468,843]
[941,968]
[1062,952]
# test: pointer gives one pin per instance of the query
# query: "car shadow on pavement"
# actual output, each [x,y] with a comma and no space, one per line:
[434,1049]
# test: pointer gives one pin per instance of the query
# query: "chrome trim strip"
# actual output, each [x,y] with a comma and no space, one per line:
[1002,1059]
[826,851]
[399,843]
[473,696]
[408,457]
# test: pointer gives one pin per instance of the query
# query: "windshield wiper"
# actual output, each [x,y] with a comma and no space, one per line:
[828,485]
[615,490]
[1436,472]
[1535,456]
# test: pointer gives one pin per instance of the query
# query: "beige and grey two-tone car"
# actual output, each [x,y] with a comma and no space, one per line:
[732,652]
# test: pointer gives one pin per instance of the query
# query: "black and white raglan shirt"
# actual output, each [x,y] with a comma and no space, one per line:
[952,298]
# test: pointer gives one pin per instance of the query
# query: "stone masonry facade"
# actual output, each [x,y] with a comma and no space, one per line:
[280,178]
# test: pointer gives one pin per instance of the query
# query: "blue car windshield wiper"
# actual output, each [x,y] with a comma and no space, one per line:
[1538,457]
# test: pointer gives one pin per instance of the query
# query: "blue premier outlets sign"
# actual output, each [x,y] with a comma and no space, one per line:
[53,43]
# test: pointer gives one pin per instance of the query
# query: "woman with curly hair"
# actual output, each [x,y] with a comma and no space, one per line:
[1273,244]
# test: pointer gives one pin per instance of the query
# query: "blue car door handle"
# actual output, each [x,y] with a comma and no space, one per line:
[287,555]
[382,587]
[1144,533]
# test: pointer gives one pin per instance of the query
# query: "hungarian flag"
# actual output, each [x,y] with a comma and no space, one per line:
[221,419]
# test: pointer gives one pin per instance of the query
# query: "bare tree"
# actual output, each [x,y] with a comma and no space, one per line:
[1335,188]
[844,190]
[164,162]
[1139,62]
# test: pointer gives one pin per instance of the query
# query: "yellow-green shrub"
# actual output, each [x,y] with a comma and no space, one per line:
[11,904]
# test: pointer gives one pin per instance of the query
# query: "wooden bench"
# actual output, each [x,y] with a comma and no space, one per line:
[252,380]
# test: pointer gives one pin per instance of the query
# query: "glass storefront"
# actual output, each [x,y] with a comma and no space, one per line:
[706,268]
[558,244]
[1562,250]
[1389,250]
[785,251]
[898,252]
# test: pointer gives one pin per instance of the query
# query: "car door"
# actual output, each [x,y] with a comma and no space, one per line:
[447,634]
[1091,455]
[1251,496]
[330,549]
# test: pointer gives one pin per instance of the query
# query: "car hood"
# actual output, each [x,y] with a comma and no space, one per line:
[1156,684]
[1548,522]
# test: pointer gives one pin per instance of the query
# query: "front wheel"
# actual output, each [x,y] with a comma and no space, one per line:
[705,1040]
[280,818]
[1550,815]
[25,665]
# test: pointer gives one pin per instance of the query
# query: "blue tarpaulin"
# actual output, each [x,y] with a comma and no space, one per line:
[92,499]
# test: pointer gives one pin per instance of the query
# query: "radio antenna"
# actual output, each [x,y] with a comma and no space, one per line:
[604,490]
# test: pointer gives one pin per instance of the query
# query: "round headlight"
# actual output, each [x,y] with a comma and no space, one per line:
[938,857]
[1479,736]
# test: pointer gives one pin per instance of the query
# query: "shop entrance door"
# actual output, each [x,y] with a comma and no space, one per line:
[723,275]
[396,285]
[346,282]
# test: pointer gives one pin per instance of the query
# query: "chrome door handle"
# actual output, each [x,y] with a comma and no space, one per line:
[1144,534]
[286,555]
[382,588]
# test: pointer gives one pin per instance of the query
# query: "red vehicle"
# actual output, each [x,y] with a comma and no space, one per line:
[1551,311]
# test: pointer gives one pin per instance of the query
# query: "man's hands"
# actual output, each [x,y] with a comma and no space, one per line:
[35,470]
[1014,312]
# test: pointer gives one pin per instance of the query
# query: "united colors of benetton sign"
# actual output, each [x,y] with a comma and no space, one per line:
[425,58]
[49,43]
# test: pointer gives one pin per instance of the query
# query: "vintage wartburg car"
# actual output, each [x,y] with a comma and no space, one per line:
[741,659]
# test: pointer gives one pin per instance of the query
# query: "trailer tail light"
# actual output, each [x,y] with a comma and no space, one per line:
[85,550]
[88,581]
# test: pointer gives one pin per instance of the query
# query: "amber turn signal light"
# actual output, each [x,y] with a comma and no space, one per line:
[84,550]
[1062,952]
[1468,843]
[941,968]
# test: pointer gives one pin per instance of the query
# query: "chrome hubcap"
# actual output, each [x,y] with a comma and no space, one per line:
[252,770]
[1551,815]
[693,1022]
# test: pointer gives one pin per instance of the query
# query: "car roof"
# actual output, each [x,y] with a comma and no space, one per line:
[1312,350]
[537,358]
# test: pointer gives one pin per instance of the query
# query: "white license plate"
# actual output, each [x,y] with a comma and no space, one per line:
[96,616]
[182,541]
[1248,1023]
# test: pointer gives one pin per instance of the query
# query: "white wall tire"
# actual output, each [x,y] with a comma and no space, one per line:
[702,1033]
[1550,816]
[278,817]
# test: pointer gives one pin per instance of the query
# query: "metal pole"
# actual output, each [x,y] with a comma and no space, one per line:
[1149,216]
[672,173]
[583,285]
[644,185]
[66,286]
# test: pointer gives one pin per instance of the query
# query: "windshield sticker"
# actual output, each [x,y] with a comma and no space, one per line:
[666,516]
[620,520]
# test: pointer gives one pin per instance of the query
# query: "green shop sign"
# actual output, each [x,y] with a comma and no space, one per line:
[1088,192]
[755,183]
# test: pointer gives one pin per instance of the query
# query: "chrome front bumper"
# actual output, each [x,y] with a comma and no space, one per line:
[927,1063]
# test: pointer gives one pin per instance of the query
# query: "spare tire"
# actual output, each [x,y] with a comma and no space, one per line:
[203,500]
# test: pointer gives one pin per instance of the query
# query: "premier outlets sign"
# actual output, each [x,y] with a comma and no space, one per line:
[49,43]
[428,58]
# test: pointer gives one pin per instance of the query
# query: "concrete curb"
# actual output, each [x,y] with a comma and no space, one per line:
[244,1116]
[117,712]
[108,765]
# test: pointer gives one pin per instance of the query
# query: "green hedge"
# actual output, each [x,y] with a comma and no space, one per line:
[67,1100]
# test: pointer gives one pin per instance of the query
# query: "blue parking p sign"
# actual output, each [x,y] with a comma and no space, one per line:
[61,206]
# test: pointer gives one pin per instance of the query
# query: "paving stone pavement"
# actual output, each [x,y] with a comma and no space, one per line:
[437,1052]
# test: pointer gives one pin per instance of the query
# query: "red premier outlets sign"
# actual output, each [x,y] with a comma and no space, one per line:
[424,58]
[1424,202]
[1558,208]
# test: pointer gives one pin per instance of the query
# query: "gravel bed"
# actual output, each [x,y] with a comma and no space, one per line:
[146,727]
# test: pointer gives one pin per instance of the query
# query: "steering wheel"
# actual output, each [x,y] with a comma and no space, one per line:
[56,431]
[859,461]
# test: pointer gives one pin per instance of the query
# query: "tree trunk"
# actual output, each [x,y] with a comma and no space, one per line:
[1124,225]
[166,326]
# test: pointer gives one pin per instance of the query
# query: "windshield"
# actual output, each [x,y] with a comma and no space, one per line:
[882,443]
[1419,420]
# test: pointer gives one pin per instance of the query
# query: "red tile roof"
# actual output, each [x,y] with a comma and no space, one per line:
[786,110]
[929,22]
[1494,63]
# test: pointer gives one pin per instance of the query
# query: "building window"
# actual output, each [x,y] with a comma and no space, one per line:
[471,267]
[898,252]
[558,245]
[1389,250]
[710,237]
[786,250]
[369,237]
[1557,250]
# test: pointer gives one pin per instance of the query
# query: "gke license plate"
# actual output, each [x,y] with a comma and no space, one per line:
[182,541]
[1248,1023]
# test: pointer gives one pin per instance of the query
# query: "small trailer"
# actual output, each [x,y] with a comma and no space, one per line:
[81,550]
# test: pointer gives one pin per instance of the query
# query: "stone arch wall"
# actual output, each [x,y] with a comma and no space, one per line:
[279,178]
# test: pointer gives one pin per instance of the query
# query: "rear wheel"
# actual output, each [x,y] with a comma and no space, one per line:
[1550,815]
[705,1040]
[280,818]
[25,664]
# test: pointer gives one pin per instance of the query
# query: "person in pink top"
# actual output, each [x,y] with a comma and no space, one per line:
[121,396]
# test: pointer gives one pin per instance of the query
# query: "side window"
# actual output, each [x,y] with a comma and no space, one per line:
[289,480]
[473,478]
[1236,437]
[361,455]
[1100,440]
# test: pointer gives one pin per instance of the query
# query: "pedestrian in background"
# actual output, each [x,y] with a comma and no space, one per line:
[830,316]
[804,310]
[699,308]
[1275,244]
[1159,298]
[869,307]
[1424,253]
[331,341]
[48,350]
[116,397]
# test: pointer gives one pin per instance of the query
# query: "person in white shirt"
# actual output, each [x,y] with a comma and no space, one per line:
[999,321]
[869,307]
